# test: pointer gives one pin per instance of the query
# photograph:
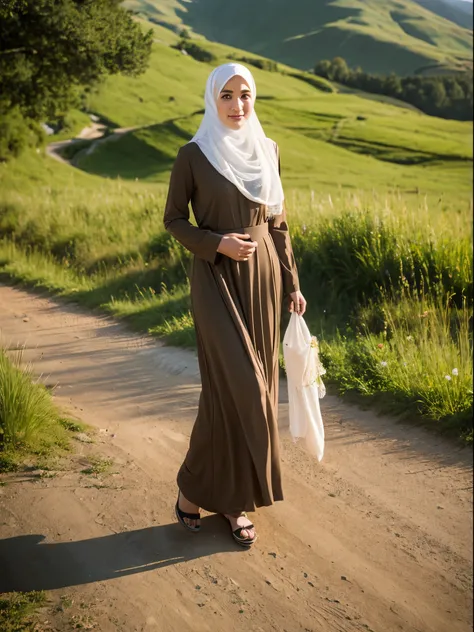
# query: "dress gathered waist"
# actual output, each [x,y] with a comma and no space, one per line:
[255,232]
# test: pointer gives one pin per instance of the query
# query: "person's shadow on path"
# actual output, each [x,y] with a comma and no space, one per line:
[28,564]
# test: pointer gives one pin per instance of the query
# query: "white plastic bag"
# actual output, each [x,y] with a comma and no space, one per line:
[305,386]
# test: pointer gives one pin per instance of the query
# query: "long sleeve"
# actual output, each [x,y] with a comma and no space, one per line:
[202,243]
[281,237]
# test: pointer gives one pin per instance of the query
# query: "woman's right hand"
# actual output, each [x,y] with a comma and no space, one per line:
[236,246]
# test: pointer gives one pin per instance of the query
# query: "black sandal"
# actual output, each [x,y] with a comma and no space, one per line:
[181,515]
[246,542]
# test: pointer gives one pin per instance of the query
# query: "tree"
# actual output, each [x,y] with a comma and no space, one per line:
[392,85]
[323,68]
[454,89]
[446,96]
[51,49]
[197,52]
[339,69]
[435,94]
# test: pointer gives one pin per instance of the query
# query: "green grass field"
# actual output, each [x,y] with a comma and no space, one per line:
[394,36]
[380,205]
[327,141]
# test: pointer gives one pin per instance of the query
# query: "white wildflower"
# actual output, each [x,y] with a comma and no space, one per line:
[447,377]
[455,372]
[383,363]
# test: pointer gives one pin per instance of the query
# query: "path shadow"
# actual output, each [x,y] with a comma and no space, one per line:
[26,563]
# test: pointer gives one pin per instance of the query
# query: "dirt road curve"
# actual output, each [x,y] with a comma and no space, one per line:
[377,538]
[95,132]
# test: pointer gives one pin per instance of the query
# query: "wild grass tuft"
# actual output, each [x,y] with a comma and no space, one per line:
[29,420]
[17,611]
[97,465]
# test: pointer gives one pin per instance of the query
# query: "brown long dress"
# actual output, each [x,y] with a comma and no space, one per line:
[233,463]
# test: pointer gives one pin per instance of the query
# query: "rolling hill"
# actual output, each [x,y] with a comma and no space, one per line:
[329,141]
[398,36]
[458,11]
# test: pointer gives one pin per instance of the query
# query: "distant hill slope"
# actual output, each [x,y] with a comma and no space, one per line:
[458,11]
[391,36]
[329,142]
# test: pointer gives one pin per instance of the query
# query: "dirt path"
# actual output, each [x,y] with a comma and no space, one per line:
[377,538]
[95,132]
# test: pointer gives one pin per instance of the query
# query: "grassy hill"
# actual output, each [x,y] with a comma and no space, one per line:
[457,11]
[328,141]
[392,36]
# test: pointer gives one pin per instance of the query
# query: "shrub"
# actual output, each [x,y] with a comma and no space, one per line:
[195,51]
[17,133]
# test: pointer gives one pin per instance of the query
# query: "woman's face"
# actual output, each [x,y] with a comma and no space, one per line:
[235,103]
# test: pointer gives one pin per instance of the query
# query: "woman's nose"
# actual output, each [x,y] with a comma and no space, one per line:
[237,105]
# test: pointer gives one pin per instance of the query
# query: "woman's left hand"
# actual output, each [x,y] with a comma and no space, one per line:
[297,303]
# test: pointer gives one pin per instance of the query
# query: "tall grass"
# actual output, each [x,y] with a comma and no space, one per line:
[428,349]
[418,359]
[361,252]
[28,416]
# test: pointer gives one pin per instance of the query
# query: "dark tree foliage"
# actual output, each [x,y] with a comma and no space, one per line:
[51,49]
[446,96]
[195,51]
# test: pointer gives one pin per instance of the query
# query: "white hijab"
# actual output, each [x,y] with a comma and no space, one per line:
[246,157]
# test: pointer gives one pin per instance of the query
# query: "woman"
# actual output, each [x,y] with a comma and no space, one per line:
[243,263]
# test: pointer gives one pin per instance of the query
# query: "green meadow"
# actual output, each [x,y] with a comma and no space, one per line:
[327,141]
[379,200]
